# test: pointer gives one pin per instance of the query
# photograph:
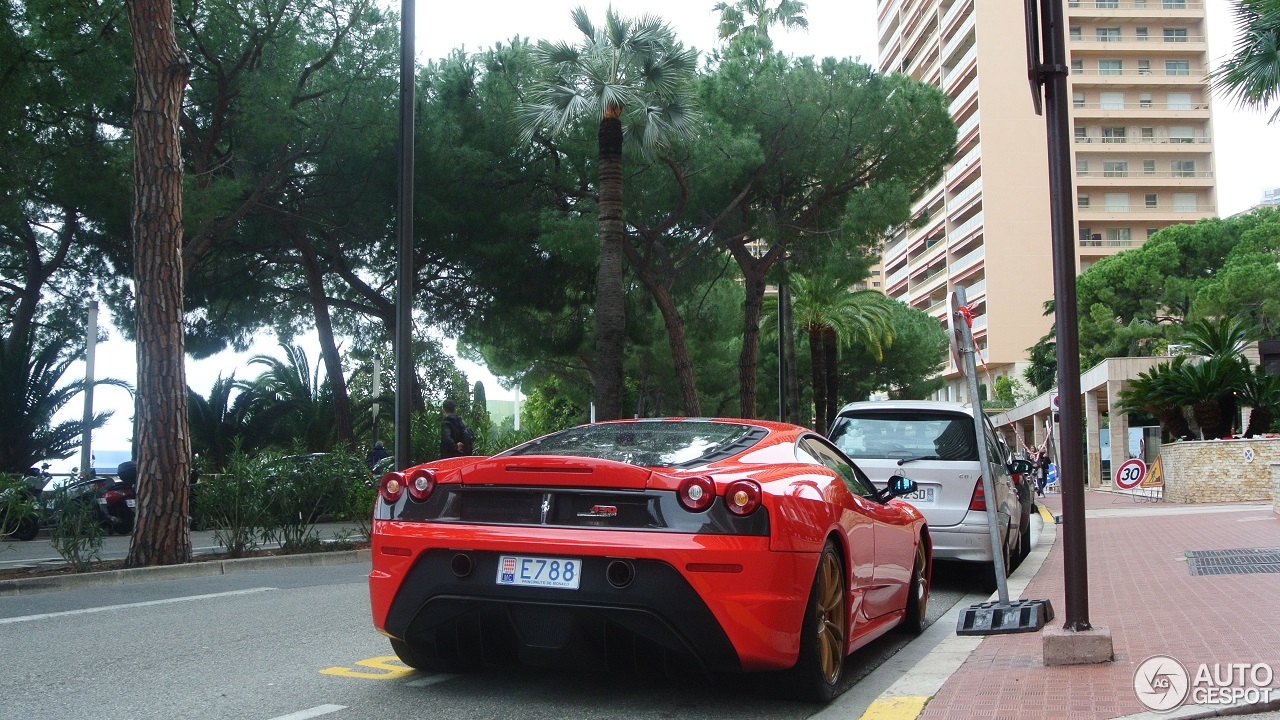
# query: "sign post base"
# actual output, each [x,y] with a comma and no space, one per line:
[1001,618]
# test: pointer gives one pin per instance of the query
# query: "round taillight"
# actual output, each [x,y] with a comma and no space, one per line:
[697,493]
[392,486]
[742,497]
[420,483]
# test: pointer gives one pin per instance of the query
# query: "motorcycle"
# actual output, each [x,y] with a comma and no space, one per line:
[27,507]
[117,502]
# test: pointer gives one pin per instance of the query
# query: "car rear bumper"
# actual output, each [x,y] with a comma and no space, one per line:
[727,603]
[968,540]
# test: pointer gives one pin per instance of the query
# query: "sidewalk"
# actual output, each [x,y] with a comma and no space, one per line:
[1140,587]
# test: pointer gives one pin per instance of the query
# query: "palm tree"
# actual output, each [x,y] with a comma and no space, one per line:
[734,17]
[291,404]
[29,398]
[833,317]
[1251,75]
[1227,337]
[217,421]
[1209,387]
[635,80]
[1155,393]
[1261,392]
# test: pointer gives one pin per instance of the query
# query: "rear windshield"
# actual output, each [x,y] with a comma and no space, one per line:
[683,443]
[905,434]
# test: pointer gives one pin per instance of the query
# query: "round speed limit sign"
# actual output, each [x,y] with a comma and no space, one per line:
[1130,473]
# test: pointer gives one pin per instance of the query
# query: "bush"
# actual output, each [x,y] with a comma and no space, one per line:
[234,504]
[19,514]
[77,530]
[304,488]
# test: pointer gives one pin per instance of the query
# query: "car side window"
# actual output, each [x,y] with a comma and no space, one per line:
[853,478]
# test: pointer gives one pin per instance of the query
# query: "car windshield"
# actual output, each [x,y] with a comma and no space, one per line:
[685,443]
[909,434]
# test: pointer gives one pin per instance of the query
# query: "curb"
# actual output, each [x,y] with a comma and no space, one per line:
[31,586]
[907,697]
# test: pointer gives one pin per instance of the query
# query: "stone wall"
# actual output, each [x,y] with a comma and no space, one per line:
[1219,470]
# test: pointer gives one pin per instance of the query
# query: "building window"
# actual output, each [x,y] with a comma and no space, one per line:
[1077,67]
[1175,4]
[1075,33]
[1077,99]
[1175,34]
[1108,4]
[1082,134]
[1108,34]
[1111,100]
[1082,167]
[1140,34]
[1183,168]
[1115,168]
[1148,134]
[1185,202]
[1113,134]
[1089,239]
[875,273]
[1177,67]
[1116,202]
[1148,167]
[1152,201]
[1178,101]
[1144,100]
[1144,67]
[1119,237]
[1082,200]
[1152,231]
[1182,135]
[1111,67]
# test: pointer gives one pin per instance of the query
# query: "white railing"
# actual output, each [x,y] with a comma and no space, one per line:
[1143,174]
[1137,38]
[960,37]
[968,125]
[964,196]
[1135,4]
[963,164]
[965,95]
[962,231]
[1126,140]
[896,249]
[974,290]
[1144,210]
[894,278]
[1189,73]
[968,260]
[959,67]
[1142,106]
[956,8]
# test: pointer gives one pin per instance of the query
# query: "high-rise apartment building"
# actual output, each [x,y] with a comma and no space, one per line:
[1142,153]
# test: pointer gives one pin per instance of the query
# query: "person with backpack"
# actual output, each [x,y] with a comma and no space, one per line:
[456,439]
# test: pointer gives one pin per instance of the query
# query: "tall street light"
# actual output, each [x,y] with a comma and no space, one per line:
[404,275]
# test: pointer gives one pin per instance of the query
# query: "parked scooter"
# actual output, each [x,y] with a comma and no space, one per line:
[117,503]
[28,523]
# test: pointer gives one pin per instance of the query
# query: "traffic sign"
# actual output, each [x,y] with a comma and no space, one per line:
[1053,402]
[1130,474]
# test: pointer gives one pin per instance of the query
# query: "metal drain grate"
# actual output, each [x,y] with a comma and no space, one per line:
[1233,562]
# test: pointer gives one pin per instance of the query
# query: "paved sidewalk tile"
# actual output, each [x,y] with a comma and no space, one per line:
[1140,588]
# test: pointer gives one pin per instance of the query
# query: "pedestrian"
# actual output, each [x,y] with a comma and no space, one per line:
[1042,469]
[456,439]
[376,455]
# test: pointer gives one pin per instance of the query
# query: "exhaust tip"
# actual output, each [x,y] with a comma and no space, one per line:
[462,565]
[620,573]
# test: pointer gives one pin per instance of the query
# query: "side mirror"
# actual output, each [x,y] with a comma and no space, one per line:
[900,485]
[1020,466]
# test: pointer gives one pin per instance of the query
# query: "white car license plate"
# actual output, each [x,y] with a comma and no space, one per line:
[131,503]
[924,494]
[524,571]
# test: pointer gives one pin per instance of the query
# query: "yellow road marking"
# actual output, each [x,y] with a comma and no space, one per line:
[1045,514]
[389,666]
[895,708]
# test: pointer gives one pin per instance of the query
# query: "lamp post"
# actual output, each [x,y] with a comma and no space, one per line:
[405,269]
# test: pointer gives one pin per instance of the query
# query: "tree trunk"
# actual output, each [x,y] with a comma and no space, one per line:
[754,286]
[789,351]
[674,323]
[818,365]
[1259,420]
[161,69]
[611,314]
[832,349]
[342,425]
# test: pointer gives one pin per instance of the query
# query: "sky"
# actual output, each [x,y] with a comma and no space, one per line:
[1245,145]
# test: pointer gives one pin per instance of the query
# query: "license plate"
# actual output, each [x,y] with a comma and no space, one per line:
[131,503]
[920,495]
[523,571]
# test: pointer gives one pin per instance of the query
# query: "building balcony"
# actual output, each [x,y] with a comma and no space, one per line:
[1138,78]
[1125,44]
[972,159]
[962,66]
[953,15]
[1183,145]
[958,42]
[965,231]
[1100,9]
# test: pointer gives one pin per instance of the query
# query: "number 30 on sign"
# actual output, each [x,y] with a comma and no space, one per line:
[1130,473]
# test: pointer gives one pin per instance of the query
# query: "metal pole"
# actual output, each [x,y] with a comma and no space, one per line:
[404,275]
[377,392]
[90,349]
[969,351]
[1062,223]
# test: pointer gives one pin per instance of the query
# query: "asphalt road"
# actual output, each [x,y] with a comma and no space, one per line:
[296,643]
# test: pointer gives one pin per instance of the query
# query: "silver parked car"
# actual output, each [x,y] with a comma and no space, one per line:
[933,444]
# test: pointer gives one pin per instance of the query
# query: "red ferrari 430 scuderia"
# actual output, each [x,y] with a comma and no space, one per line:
[728,545]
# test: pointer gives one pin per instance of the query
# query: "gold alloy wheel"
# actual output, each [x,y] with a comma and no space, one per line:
[831,616]
[922,580]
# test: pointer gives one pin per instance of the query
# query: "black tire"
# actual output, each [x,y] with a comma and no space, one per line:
[823,634]
[918,590]
[408,655]
[1024,547]
[27,529]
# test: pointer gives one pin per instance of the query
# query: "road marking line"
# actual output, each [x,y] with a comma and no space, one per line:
[384,663]
[316,711]
[1045,514]
[432,680]
[895,708]
[128,606]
